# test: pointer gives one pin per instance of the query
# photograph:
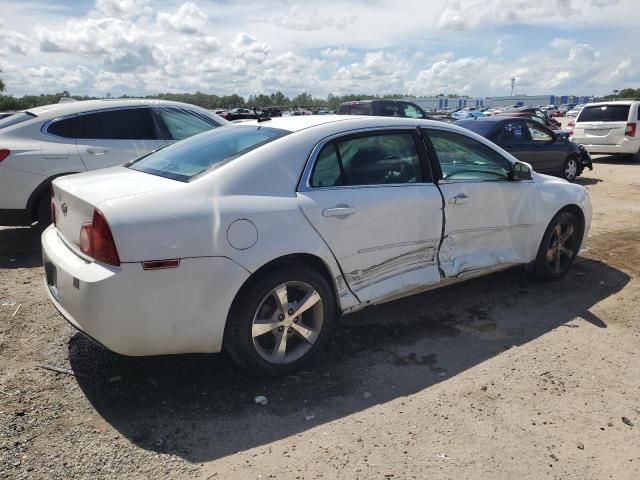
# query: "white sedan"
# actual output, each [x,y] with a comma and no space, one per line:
[254,237]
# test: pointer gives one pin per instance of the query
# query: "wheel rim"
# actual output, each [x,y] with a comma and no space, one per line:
[287,322]
[561,248]
[570,169]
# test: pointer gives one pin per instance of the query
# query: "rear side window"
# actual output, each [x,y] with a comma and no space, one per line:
[184,160]
[387,109]
[356,109]
[181,123]
[511,133]
[15,119]
[604,113]
[122,124]
[379,159]
[64,128]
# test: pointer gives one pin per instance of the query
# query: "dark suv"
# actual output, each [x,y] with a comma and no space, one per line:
[382,108]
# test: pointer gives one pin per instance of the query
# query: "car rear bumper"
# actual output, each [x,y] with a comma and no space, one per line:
[623,148]
[140,312]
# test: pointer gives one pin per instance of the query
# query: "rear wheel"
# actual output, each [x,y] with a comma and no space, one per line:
[570,168]
[281,321]
[559,246]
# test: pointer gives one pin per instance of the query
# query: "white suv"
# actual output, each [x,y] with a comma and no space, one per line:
[43,143]
[609,127]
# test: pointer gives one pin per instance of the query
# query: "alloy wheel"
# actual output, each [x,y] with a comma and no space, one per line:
[570,169]
[560,250]
[287,322]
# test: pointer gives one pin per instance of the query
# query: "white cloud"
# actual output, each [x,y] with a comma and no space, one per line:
[189,19]
[340,52]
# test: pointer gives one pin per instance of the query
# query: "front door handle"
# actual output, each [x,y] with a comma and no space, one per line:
[340,211]
[97,151]
[458,199]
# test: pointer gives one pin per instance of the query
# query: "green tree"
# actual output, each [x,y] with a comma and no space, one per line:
[1,84]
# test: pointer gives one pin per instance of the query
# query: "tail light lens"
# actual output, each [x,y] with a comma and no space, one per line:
[4,153]
[97,242]
[630,130]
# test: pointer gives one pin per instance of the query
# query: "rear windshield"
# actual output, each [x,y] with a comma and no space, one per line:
[15,119]
[604,113]
[184,160]
[478,126]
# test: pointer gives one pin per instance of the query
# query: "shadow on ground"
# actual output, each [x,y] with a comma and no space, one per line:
[20,247]
[615,159]
[201,407]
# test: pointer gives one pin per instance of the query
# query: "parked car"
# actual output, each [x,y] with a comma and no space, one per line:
[609,127]
[531,142]
[575,110]
[467,113]
[43,143]
[239,114]
[540,118]
[383,108]
[252,238]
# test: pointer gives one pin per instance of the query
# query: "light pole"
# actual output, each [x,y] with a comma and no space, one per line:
[513,82]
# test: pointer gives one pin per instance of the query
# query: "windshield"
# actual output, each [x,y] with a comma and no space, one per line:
[15,119]
[184,160]
[604,113]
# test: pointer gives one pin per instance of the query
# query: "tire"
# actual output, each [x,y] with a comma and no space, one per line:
[570,168]
[555,256]
[270,341]
[44,212]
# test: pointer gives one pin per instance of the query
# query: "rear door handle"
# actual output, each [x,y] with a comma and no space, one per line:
[338,211]
[97,151]
[458,199]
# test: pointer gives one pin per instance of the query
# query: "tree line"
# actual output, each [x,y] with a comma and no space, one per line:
[204,100]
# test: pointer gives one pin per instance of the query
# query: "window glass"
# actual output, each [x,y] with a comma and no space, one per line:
[186,159]
[182,123]
[360,109]
[388,109]
[16,118]
[410,111]
[604,113]
[538,133]
[383,158]
[64,128]
[326,172]
[511,133]
[122,124]
[462,158]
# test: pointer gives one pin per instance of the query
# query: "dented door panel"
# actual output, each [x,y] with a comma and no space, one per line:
[385,238]
[487,224]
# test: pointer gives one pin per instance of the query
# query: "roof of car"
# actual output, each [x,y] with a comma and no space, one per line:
[612,102]
[69,108]
[300,122]
[491,118]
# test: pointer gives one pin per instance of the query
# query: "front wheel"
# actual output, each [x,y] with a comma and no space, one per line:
[281,321]
[559,247]
[570,168]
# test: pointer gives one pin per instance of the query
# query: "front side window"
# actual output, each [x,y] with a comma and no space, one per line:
[539,133]
[388,109]
[511,133]
[464,159]
[181,123]
[184,160]
[410,111]
[121,124]
[377,159]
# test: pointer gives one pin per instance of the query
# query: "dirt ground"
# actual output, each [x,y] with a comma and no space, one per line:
[501,377]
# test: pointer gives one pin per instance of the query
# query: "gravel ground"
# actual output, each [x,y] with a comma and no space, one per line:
[500,377]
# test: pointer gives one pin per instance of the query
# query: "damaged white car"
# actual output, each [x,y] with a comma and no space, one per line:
[254,237]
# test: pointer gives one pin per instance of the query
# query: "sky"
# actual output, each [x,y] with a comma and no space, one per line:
[416,47]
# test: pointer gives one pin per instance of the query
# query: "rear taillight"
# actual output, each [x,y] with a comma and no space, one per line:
[4,153]
[96,240]
[630,130]
[53,204]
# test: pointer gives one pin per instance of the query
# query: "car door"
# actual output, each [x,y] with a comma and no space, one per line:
[549,152]
[112,137]
[513,136]
[488,217]
[372,199]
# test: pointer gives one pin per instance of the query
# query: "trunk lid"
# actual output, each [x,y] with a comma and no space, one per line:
[76,196]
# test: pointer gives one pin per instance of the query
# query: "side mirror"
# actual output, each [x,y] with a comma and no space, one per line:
[521,171]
